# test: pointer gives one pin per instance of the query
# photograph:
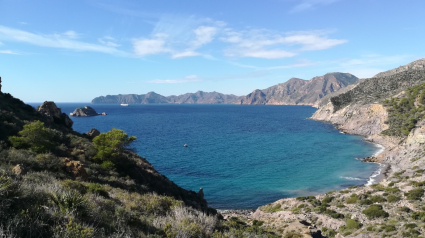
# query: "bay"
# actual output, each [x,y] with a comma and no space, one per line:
[243,156]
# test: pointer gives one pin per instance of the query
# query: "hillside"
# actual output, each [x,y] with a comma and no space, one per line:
[301,92]
[293,92]
[152,97]
[388,109]
[55,182]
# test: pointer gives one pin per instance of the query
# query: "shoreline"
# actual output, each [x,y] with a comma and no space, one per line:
[382,172]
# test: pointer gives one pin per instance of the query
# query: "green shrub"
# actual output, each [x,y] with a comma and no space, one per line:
[69,201]
[333,214]
[393,198]
[365,202]
[301,198]
[327,200]
[418,216]
[111,144]
[414,194]
[389,228]
[34,136]
[353,224]
[97,189]
[352,199]
[410,225]
[405,209]
[108,165]
[269,208]
[375,211]
[377,199]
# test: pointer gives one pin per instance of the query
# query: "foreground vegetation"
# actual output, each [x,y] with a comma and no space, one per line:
[55,182]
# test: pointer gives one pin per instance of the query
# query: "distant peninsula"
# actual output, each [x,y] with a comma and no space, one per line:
[293,92]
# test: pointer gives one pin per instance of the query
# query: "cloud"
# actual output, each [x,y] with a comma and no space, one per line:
[310,4]
[71,34]
[302,63]
[151,46]
[9,52]
[267,44]
[187,79]
[188,53]
[204,35]
[108,41]
[62,41]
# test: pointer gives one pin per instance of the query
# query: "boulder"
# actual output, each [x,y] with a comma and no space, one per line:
[20,170]
[201,193]
[0,84]
[84,112]
[54,114]
[93,133]
[370,159]
[76,168]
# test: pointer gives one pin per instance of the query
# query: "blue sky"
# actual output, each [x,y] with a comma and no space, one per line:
[73,51]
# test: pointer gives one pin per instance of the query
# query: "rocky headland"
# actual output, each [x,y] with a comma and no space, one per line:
[387,110]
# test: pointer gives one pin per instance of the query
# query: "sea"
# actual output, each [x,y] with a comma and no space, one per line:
[243,156]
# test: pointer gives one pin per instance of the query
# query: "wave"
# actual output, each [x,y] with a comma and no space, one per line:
[352,178]
[380,149]
[373,177]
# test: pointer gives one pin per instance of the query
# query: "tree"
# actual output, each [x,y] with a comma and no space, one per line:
[111,144]
[35,137]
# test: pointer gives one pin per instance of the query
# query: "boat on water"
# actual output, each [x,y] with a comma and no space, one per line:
[124,104]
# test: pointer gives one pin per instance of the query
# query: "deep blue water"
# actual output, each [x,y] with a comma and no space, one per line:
[242,156]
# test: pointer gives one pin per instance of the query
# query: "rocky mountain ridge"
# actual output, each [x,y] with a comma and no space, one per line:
[293,92]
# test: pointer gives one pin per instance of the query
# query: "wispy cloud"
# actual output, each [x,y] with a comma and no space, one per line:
[299,64]
[195,78]
[9,52]
[310,4]
[63,41]
[187,79]
[267,44]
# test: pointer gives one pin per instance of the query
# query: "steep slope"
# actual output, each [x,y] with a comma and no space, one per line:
[415,65]
[301,92]
[394,207]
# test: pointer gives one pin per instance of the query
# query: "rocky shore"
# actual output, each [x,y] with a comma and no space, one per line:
[392,203]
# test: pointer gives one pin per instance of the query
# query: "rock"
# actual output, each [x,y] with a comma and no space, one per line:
[104,114]
[201,193]
[93,133]
[76,168]
[370,159]
[54,114]
[84,112]
[20,170]
[0,84]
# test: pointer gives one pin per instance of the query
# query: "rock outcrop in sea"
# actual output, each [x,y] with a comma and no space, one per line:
[85,112]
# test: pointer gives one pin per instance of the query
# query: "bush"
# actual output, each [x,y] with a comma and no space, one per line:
[111,144]
[35,137]
[418,216]
[69,201]
[269,208]
[377,199]
[352,199]
[353,224]
[97,189]
[393,198]
[414,194]
[365,202]
[375,211]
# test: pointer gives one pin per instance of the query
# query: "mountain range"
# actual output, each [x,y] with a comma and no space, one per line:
[293,92]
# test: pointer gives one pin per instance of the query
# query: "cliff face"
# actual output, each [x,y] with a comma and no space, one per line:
[360,111]
[301,92]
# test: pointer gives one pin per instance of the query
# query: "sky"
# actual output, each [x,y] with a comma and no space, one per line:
[74,51]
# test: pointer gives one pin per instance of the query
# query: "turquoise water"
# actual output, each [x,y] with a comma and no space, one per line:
[242,156]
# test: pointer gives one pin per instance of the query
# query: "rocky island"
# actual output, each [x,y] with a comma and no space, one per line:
[86,112]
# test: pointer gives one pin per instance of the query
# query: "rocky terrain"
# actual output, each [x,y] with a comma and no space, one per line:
[395,207]
[293,92]
[301,92]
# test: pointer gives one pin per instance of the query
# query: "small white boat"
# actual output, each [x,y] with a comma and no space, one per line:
[124,104]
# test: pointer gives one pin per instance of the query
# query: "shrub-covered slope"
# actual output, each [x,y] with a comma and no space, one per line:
[55,182]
